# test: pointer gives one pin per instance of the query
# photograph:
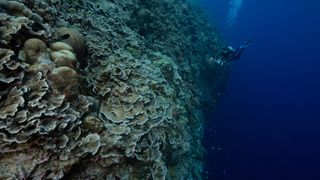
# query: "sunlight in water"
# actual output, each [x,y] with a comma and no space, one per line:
[234,6]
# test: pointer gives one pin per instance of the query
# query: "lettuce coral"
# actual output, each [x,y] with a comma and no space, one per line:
[117,95]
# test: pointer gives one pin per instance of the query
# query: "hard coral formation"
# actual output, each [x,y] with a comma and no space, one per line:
[18,9]
[73,38]
[118,94]
[62,55]
[57,46]
[15,30]
[33,50]
[64,79]
[37,121]
[64,58]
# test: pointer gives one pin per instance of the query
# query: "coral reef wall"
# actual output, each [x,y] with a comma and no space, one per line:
[105,89]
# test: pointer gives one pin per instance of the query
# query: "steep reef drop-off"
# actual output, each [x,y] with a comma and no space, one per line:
[105,89]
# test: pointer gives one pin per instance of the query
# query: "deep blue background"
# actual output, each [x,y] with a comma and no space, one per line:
[267,124]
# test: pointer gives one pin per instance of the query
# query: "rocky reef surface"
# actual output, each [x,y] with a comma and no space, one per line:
[105,89]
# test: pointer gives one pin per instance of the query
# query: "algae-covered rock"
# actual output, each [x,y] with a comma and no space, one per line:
[104,89]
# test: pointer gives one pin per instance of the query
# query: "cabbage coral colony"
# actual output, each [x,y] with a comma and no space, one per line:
[85,93]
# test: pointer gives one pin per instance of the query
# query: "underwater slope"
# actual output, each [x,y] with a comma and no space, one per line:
[105,89]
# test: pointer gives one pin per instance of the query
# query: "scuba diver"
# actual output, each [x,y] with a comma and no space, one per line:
[228,54]
[231,54]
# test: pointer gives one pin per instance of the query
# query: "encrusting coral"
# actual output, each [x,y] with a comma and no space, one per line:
[102,90]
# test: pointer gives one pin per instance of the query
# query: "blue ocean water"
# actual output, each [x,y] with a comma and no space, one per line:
[267,124]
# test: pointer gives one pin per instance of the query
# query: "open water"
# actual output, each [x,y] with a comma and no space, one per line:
[267,124]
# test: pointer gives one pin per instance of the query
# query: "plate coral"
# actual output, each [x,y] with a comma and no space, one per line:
[105,89]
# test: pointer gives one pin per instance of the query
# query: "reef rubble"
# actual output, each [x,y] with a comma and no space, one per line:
[105,89]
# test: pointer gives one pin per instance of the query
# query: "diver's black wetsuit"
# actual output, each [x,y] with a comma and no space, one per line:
[231,54]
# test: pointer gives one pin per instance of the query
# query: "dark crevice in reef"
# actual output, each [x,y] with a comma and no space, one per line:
[105,89]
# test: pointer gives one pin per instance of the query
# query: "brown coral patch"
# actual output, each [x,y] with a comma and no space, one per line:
[64,79]
[33,48]
[73,38]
